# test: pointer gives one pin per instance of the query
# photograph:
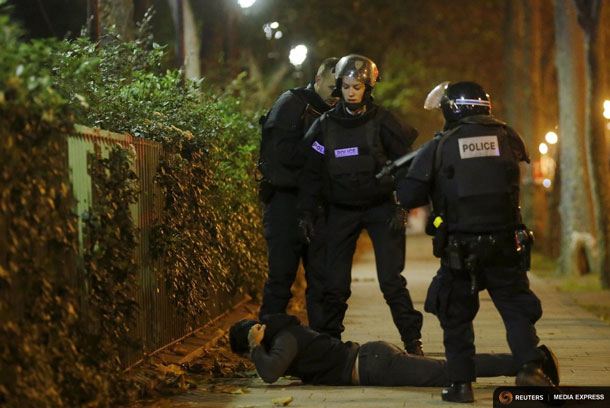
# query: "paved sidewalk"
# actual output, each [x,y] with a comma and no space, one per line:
[580,340]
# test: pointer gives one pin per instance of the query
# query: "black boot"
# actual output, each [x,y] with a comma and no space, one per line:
[458,392]
[550,365]
[532,375]
[414,347]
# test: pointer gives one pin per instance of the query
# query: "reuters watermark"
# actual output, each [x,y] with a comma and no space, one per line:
[520,397]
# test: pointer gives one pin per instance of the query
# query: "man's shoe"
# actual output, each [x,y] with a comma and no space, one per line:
[550,365]
[414,347]
[458,392]
[532,375]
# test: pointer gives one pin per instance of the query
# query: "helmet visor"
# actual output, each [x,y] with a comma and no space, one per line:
[433,100]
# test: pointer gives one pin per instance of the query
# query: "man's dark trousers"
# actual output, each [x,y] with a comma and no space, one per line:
[508,287]
[344,225]
[286,248]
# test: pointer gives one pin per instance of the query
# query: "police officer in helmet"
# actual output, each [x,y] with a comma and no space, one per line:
[345,149]
[280,162]
[470,172]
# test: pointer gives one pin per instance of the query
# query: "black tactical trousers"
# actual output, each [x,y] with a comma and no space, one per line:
[344,226]
[285,249]
[384,364]
[451,299]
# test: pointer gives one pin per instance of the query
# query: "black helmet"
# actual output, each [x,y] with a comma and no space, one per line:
[461,99]
[358,67]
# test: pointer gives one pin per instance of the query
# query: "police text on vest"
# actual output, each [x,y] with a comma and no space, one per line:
[479,146]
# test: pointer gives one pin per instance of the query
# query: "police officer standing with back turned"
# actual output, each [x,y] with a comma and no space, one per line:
[470,171]
[345,149]
[280,162]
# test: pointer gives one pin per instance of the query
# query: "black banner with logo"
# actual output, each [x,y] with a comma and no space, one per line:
[522,397]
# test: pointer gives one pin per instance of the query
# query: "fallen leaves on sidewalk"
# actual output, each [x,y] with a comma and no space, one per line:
[282,402]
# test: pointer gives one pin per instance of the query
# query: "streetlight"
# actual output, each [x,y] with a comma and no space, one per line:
[607,109]
[246,3]
[298,55]
[551,138]
[543,148]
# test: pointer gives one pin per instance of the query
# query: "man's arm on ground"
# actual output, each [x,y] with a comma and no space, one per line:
[273,364]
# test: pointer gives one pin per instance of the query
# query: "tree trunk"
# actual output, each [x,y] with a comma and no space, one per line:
[191,44]
[519,104]
[577,242]
[187,39]
[93,20]
[118,13]
[597,154]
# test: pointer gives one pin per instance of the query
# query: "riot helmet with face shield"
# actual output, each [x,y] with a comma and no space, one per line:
[459,100]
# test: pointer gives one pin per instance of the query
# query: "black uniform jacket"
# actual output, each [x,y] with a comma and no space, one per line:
[290,348]
[416,189]
[283,129]
[396,138]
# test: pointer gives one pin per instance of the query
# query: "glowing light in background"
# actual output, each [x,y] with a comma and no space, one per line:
[607,109]
[275,25]
[546,183]
[278,35]
[245,3]
[551,137]
[543,148]
[298,55]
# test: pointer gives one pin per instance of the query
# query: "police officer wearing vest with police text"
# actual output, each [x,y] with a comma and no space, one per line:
[345,149]
[470,172]
[280,162]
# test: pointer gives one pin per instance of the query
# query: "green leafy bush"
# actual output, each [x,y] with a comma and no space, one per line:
[59,342]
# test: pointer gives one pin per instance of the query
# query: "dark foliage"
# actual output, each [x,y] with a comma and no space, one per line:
[65,315]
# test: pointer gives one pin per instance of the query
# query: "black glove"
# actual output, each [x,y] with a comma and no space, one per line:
[398,219]
[306,226]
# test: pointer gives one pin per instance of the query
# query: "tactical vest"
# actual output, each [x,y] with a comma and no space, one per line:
[293,115]
[353,157]
[477,179]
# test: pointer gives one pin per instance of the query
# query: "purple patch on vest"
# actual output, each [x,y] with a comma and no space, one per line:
[318,147]
[348,151]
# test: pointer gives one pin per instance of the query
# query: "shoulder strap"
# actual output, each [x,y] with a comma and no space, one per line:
[439,147]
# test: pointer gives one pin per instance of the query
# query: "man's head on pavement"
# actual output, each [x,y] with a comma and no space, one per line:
[324,82]
[245,335]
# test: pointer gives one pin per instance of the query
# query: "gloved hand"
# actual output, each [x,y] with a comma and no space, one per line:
[398,219]
[306,226]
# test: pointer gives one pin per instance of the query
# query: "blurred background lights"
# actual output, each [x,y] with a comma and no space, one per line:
[546,183]
[607,109]
[543,148]
[551,137]
[245,3]
[298,55]
[268,28]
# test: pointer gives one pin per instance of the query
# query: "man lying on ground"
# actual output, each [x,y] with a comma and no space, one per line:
[280,345]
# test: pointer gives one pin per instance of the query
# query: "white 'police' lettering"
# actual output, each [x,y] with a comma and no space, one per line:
[479,146]
[349,151]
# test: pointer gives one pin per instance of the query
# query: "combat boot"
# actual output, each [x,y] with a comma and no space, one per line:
[414,347]
[458,392]
[532,375]
[550,365]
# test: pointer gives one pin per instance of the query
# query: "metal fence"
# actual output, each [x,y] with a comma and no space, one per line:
[158,323]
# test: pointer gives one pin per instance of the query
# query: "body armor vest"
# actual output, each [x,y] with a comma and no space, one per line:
[292,115]
[353,157]
[477,179]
